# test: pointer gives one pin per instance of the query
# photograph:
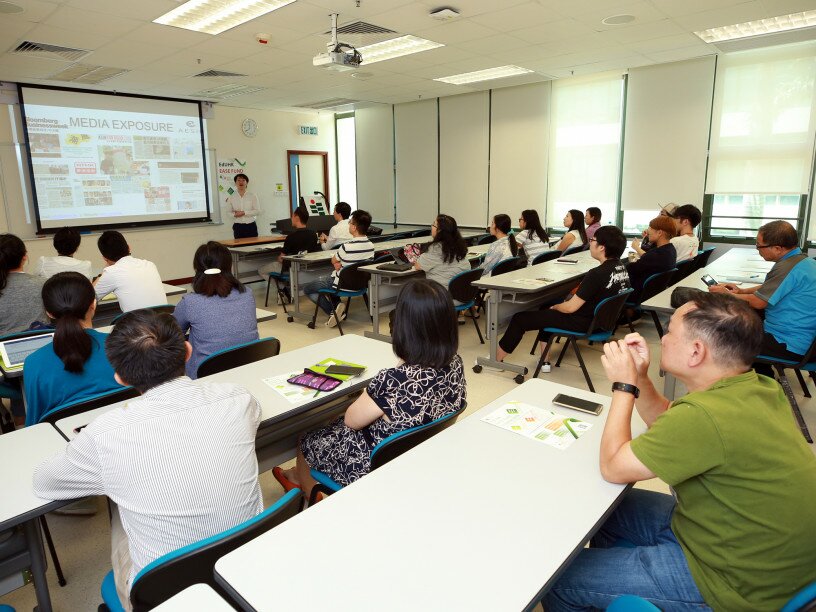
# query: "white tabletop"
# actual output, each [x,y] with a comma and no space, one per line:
[476,518]
[472,253]
[196,597]
[261,315]
[547,273]
[22,451]
[374,354]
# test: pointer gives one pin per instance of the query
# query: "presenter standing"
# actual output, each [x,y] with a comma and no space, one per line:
[245,209]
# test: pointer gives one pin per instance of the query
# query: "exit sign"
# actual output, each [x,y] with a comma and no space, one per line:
[308,130]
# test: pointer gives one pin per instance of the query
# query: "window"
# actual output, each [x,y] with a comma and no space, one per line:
[585,146]
[736,218]
[346,160]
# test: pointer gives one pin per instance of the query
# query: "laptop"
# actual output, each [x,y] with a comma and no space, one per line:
[15,351]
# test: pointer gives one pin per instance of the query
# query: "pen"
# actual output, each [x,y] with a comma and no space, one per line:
[570,429]
[316,393]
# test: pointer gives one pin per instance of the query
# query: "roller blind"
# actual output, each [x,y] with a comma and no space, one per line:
[374,135]
[415,126]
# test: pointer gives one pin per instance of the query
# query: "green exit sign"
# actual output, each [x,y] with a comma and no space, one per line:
[308,130]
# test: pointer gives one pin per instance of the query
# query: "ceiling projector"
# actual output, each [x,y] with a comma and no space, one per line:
[339,56]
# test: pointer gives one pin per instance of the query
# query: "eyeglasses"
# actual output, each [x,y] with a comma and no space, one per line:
[765,246]
[593,240]
[435,226]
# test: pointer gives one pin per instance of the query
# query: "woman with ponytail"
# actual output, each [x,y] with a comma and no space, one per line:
[74,367]
[505,245]
[20,301]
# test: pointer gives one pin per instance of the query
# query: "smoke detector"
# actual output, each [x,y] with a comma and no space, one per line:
[444,14]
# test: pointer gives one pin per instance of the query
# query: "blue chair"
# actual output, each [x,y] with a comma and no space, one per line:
[352,282]
[172,573]
[389,448]
[545,256]
[486,239]
[96,401]
[808,364]
[10,393]
[281,286]
[604,322]
[803,601]
[631,603]
[463,291]
[684,269]
[235,356]
[421,233]
[576,249]
[702,257]
[168,308]
[653,285]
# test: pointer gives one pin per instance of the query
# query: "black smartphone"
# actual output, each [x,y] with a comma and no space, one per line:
[576,403]
[569,261]
[708,280]
[345,370]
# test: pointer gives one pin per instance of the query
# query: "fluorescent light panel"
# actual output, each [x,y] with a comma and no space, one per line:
[484,75]
[396,47]
[216,16]
[794,21]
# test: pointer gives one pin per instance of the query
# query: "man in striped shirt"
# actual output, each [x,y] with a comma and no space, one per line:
[179,461]
[359,248]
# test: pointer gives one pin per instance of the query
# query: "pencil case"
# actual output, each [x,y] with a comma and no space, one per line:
[314,381]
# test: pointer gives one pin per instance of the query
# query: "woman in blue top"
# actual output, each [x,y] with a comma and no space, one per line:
[221,312]
[74,367]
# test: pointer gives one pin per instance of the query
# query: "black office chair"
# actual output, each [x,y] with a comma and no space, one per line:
[168,308]
[235,356]
[462,290]
[506,265]
[390,448]
[104,399]
[421,233]
[684,269]
[702,257]
[352,282]
[281,280]
[172,573]
[384,257]
[601,329]
[653,285]
[576,249]
[487,239]
[546,256]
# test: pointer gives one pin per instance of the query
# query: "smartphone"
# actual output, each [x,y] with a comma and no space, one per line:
[708,280]
[345,370]
[568,261]
[576,403]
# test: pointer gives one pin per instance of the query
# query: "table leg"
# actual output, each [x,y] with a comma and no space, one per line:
[35,550]
[374,285]
[494,299]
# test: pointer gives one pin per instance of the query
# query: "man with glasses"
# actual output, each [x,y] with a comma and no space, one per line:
[787,296]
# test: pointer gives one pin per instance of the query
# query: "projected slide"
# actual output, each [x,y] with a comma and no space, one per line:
[100,159]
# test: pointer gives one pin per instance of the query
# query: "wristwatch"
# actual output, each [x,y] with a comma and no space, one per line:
[626,388]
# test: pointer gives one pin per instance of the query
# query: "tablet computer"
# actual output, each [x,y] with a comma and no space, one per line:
[15,351]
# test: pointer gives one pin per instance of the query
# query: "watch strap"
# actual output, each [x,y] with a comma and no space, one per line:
[626,388]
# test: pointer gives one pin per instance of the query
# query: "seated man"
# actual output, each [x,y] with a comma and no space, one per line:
[787,296]
[359,248]
[300,241]
[686,218]
[659,258]
[339,233]
[739,535]
[136,282]
[179,462]
[576,312]
[66,243]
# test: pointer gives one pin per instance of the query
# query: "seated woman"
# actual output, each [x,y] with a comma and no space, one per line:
[575,313]
[505,246]
[221,312]
[660,257]
[428,383]
[532,237]
[74,367]
[447,253]
[20,293]
[574,222]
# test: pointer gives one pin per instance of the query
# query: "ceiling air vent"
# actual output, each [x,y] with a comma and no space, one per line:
[83,73]
[218,73]
[360,33]
[50,51]
[228,91]
[327,104]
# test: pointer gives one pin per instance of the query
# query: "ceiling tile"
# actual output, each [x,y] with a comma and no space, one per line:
[167,36]
[676,55]
[676,8]
[12,32]
[128,54]
[642,11]
[145,10]
[35,67]
[645,31]
[517,17]
[556,30]
[453,32]
[667,43]
[73,18]
[68,38]
[747,11]
[34,11]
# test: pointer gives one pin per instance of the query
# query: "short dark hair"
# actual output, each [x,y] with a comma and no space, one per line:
[240,175]
[689,212]
[146,349]
[425,331]
[362,220]
[731,329]
[595,213]
[66,241]
[113,245]
[301,213]
[210,256]
[613,241]
[67,296]
[344,209]
[779,233]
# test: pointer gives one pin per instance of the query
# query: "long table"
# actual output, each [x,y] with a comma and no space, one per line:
[108,307]
[422,533]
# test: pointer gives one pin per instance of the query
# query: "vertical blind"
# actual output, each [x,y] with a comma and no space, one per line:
[374,134]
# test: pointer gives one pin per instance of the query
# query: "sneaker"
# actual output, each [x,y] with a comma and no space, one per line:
[546,368]
[340,310]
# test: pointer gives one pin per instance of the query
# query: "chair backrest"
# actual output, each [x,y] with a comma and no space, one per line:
[701,259]
[803,601]
[607,311]
[546,256]
[461,287]
[506,265]
[656,283]
[378,238]
[396,444]
[421,233]
[352,278]
[385,257]
[576,249]
[168,308]
[488,239]
[172,573]
[97,401]
[684,268]
[235,356]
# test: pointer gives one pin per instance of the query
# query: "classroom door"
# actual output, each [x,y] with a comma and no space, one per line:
[308,175]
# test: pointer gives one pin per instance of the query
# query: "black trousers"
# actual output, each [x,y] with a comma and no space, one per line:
[538,319]
[771,347]
[245,230]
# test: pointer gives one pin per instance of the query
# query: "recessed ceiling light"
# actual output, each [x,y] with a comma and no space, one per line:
[484,75]
[618,20]
[216,16]
[363,76]
[794,21]
[9,8]
[396,47]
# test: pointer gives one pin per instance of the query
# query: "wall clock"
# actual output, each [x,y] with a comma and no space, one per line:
[249,127]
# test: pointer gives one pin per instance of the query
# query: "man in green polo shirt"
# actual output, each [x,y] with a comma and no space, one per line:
[741,533]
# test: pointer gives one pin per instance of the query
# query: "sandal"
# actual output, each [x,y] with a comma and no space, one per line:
[287,484]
